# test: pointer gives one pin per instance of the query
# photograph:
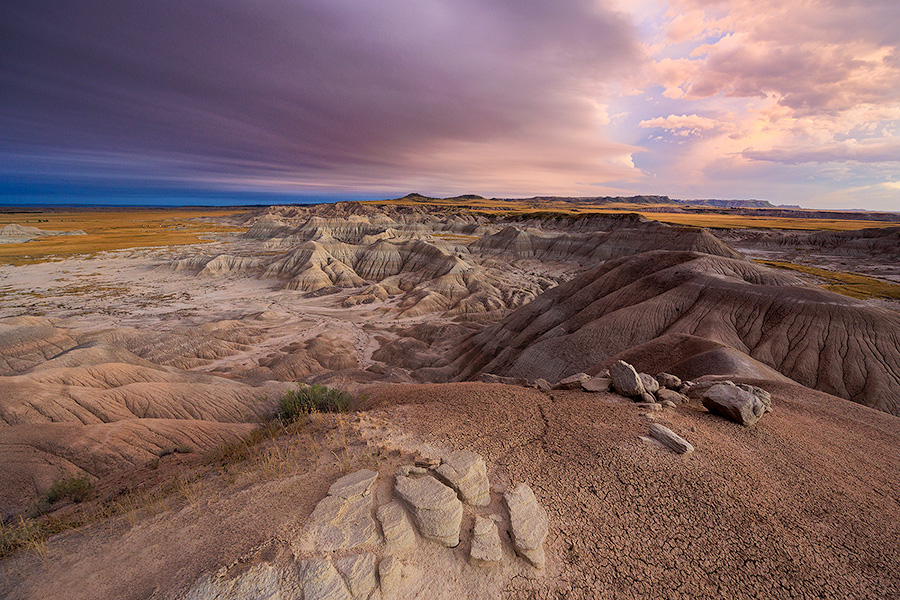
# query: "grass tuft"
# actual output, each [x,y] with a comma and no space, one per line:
[311,399]
[76,488]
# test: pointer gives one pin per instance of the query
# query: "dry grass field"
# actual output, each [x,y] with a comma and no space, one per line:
[108,230]
[848,284]
[651,211]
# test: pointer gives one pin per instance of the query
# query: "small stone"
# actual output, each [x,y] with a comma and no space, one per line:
[733,403]
[427,462]
[389,574]
[625,379]
[670,439]
[649,382]
[529,524]
[648,398]
[399,534]
[573,382]
[650,406]
[407,470]
[668,404]
[486,547]
[355,484]
[596,384]
[667,395]
[358,571]
[669,381]
[436,509]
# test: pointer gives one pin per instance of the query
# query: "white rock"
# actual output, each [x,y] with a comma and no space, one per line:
[466,473]
[486,547]
[435,508]
[529,523]
[399,534]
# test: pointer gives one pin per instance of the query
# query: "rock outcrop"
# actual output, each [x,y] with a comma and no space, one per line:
[486,548]
[734,403]
[466,473]
[435,508]
[625,380]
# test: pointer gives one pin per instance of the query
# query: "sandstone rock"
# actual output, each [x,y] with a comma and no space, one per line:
[466,473]
[670,439]
[321,581]
[389,574]
[668,404]
[427,462]
[764,396]
[486,547]
[573,382]
[649,382]
[358,571]
[667,395]
[435,508]
[625,379]
[343,519]
[650,406]
[260,582]
[399,534]
[596,384]
[667,380]
[407,470]
[529,524]
[648,398]
[355,484]
[733,403]
[698,389]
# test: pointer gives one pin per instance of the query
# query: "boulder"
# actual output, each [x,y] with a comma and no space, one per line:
[529,524]
[399,534]
[733,403]
[649,382]
[573,382]
[486,547]
[667,395]
[667,380]
[764,396]
[466,473]
[435,508]
[697,390]
[670,439]
[625,379]
[596,384]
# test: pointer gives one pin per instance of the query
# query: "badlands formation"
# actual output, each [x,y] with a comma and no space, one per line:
[549,405]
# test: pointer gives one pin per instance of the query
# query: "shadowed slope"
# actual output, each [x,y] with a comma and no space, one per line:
[820,339]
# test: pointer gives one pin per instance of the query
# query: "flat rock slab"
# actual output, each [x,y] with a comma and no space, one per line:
[321,581]
[435,508]
[573,382]
[529,523]
[389,575]
[466,473]
[733,403]
[596,384]
[670,439]
[667,395]
[355,484]
[358,571]
[625,379]
[486,548]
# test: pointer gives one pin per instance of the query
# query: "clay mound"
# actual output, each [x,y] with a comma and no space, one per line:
[875,242]
[17,234]
[820,339]
[596,246]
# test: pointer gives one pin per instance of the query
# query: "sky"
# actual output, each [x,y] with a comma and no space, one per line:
[792,101]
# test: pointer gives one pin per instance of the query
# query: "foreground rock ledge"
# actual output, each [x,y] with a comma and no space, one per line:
[435,508]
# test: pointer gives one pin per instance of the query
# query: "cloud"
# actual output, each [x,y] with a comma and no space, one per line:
[681,124]
[356,92]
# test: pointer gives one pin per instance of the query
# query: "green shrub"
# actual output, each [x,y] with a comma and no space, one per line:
[312,398]
[75,488]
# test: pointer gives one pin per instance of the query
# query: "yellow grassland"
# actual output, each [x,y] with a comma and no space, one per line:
[690,219]
[108,230]
[848,284]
